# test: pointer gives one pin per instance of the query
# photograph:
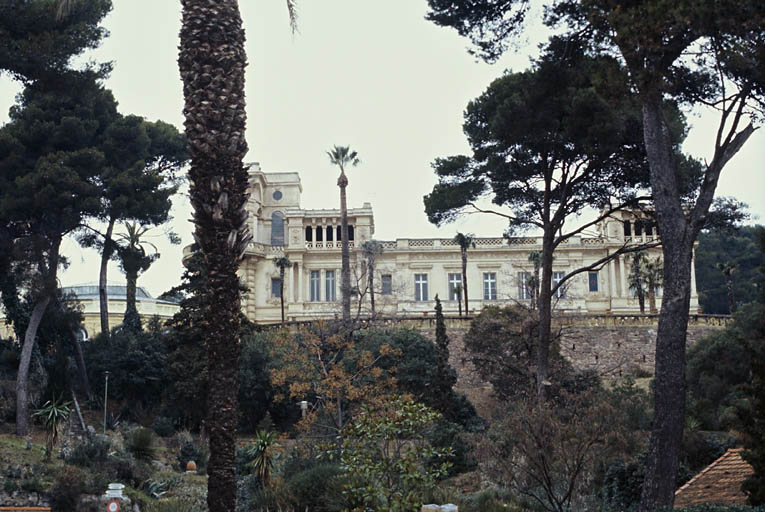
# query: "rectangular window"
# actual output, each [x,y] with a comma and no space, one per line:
[315,285]
[592,278]
[329,286]
[560,292]
[455,280]
[524,290]
[489,286]
[421,287]
[387,284]
[276,290]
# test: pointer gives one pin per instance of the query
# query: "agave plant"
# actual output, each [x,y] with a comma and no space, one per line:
[263,455]
[54,413]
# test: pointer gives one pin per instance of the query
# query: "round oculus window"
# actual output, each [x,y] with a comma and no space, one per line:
[278,195]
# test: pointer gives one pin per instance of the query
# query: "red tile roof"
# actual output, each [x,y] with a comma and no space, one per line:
[718,484]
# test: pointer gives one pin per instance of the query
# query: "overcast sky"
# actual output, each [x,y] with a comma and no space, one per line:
[373,75]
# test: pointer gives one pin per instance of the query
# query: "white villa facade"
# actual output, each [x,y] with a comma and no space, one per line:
[409,273]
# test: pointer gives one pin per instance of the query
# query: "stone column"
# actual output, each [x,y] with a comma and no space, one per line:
[693,273]
[623,275]
[299,269]
[612,278]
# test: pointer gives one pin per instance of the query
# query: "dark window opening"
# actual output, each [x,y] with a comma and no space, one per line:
[387,284]
[627,228]
[593,280]
[319,234]
[276,290]
[309,234]
[350,233]
[277,228]
[329,233]
[638,228]
[339,234]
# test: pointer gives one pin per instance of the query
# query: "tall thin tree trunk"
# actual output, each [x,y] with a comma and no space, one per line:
[544,306]
[345,252]
[677,247]
[22,378]
[103,299]
[212,61]
[459,304]
[79,357]
[652,296]
[464,280]
[731,298]
[371,270]
[281,290]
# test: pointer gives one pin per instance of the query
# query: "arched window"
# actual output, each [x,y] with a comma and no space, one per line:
[329,233]
[627,228]
[277,228]
[350,233]
[638,227]
[339,234]
[319,234]
[308,234]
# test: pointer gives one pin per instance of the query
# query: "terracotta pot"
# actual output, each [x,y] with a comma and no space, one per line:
[191,466]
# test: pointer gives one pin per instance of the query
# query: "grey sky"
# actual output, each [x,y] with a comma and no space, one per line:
[370,74]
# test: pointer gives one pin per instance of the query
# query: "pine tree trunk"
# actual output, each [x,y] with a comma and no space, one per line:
[22,378]
[212,61]
[103,299]
[464,280]
[677,247]
[544,306]
[345,252]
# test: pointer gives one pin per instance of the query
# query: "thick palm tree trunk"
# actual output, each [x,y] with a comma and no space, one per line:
[212,61]
[132,320]
[345,251]
[103,299]
[464,280]
[652,296]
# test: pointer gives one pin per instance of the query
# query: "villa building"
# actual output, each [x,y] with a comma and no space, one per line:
[409,273]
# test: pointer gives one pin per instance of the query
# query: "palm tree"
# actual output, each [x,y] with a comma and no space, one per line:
[282,263]
[342,156]
[727,270]
[654,272]
[372,249]
[465,242]
[133,260]
[212,63]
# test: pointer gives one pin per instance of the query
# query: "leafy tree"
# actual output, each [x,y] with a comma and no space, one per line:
[465,241]
[343,156]
[49,163]
[720,246]
[282,263]
[323,365]
[550,454]
[548,143]
[137,183]
[689,51]
[385,454]
[727,269]
[35,44]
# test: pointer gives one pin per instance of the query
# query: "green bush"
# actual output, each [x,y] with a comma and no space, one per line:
[10,486]
[122,467]
[140,442]
[189,448]
[89,451]
[67,489]
[318,488]
[163,426]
